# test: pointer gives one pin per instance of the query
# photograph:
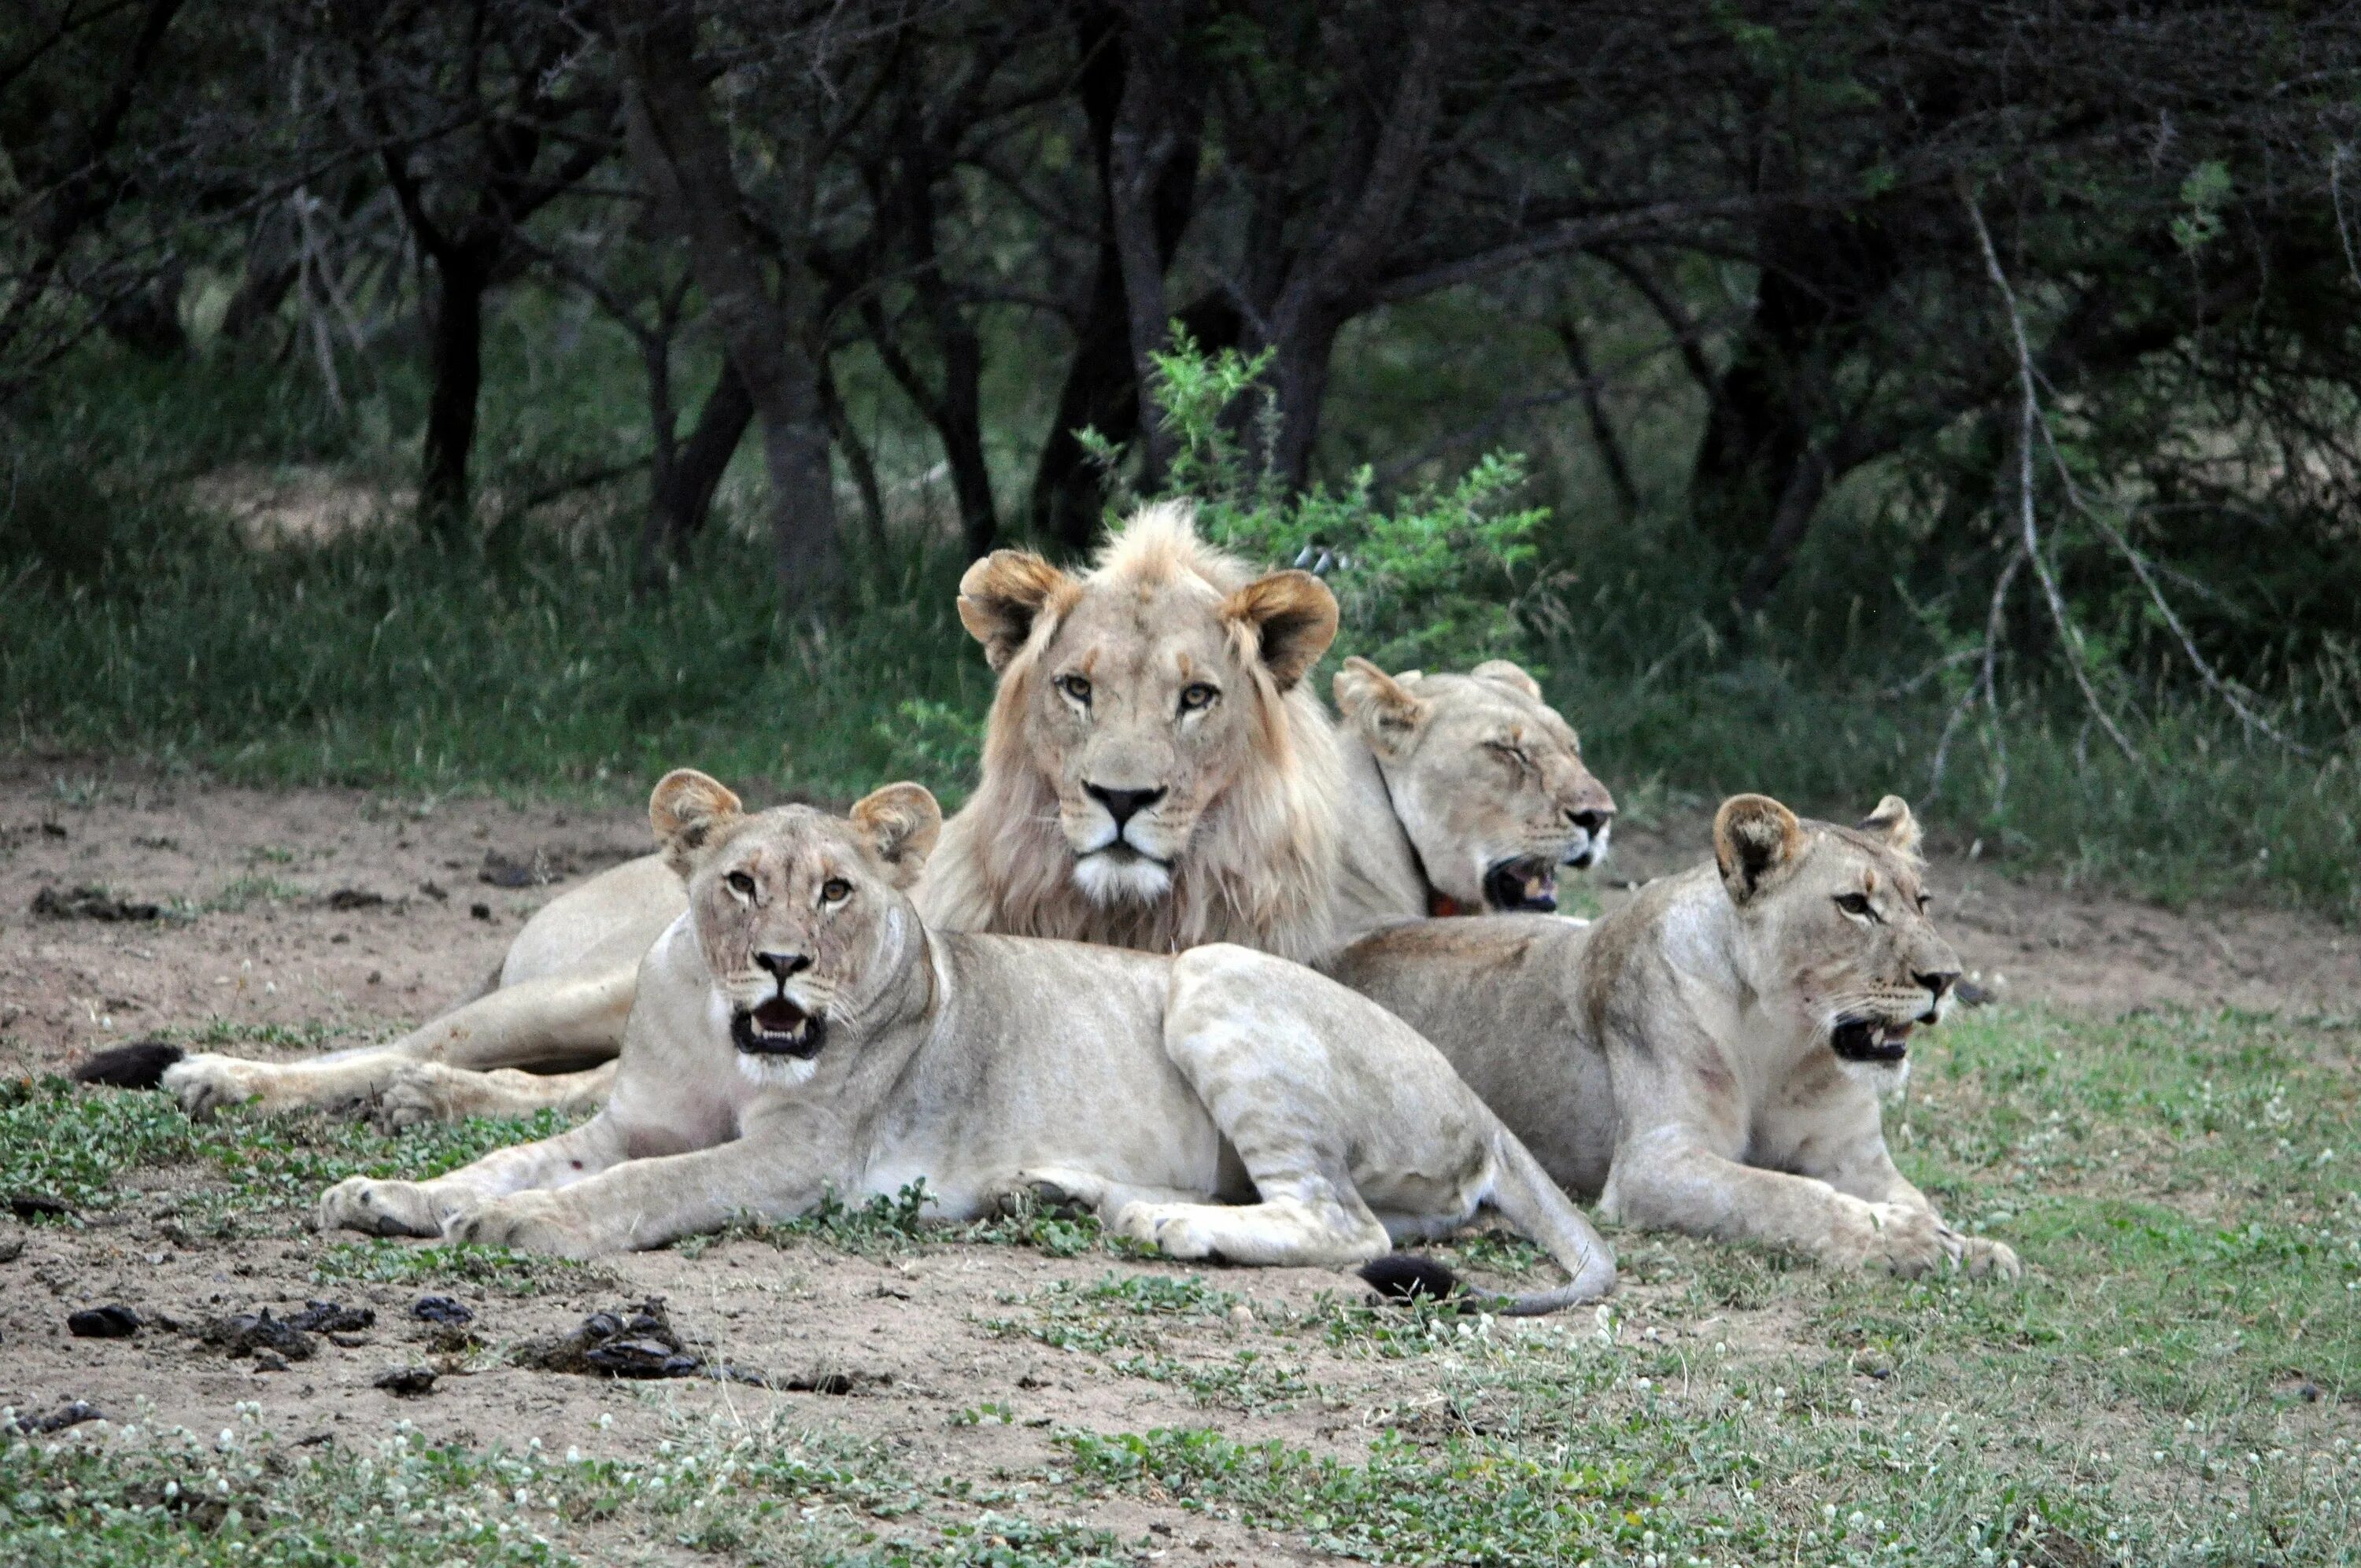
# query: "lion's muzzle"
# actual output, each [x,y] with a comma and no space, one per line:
[1870,1039]
[778,1027]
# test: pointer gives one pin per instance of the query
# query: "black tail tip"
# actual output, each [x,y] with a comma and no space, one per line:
[139,1065]
[1410,1276]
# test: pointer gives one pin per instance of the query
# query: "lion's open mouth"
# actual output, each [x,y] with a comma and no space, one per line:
[1870,1039]
[776,1028]
[1527,883]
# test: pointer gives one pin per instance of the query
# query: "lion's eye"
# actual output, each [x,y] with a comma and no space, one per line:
[835,890]
[741,884]
[1514,753]
[1196,696]
[1076,687]
[1856,904]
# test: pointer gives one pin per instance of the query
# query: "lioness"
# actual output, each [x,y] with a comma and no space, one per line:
[1710,1056]
[800,1030]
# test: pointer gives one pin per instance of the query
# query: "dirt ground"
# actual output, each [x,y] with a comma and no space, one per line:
[366,911]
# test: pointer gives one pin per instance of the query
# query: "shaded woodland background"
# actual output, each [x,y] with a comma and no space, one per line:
[1957,399]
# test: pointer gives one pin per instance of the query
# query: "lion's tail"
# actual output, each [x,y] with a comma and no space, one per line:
[139,1065]
[1527,1198]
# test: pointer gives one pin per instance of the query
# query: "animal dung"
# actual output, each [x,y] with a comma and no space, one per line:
[114,1320]
[637,1341]
[443,1310]
[91,904]
[406,1382]
[247,1333]
[331,1318]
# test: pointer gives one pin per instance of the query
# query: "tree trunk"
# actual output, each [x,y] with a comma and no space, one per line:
[680,499]
[683,156]
[1146,138]
[962,430]
[1098,390]
[1100,393]
[463,275]
[1373,185]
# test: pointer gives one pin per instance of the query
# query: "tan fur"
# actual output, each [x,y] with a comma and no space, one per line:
[800,1031]
[1678,1058]
[1485,780]
[1248,820]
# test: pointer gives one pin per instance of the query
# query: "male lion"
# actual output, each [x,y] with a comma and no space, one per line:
[1709,1057]
[801,1030]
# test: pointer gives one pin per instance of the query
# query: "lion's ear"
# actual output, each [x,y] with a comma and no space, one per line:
[685,810]
[1756,841]
[1508,675]
[900,823]
[1388,717]
[1292,618]
[1001,596]
[1892,821]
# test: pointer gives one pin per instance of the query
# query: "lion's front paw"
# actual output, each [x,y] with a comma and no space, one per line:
[206,1082]
[1172,1229]
[379,1208]
[526,1222]
[1895,1238]
[1983,1257]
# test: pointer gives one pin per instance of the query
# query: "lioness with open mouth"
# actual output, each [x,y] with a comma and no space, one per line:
[800,1031]
[1710,1056]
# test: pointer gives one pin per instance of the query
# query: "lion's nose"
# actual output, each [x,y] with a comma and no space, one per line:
[1123,805]
[1938,981]
[1590,819]
[781,965]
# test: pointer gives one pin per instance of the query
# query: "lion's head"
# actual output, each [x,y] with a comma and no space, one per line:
[803,918]
[1487,779]
[1835,921]
[1155,774]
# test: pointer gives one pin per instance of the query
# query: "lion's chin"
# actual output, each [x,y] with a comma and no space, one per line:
[1121,874]
[776,1072]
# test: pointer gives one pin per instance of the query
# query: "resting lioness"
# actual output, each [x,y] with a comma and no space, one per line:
[1710,1056]
[801,1031]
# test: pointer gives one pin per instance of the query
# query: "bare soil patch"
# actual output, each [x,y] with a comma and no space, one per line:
[351,914]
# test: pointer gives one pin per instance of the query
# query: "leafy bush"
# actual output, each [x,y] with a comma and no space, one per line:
[1436,579]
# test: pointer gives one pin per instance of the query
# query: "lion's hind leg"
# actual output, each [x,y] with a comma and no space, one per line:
[1067,1191]
[1259,1066]
[1318,1226]
[431,1091]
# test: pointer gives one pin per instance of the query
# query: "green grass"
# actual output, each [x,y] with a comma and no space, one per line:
[2173,1381]
[84,1146]
[761,1491]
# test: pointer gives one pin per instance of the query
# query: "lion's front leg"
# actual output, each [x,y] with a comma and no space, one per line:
[1862,1167]
[1666,1181]
[643,1203]
[427,1207]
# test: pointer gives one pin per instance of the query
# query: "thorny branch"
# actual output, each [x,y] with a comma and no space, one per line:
[2029,415]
